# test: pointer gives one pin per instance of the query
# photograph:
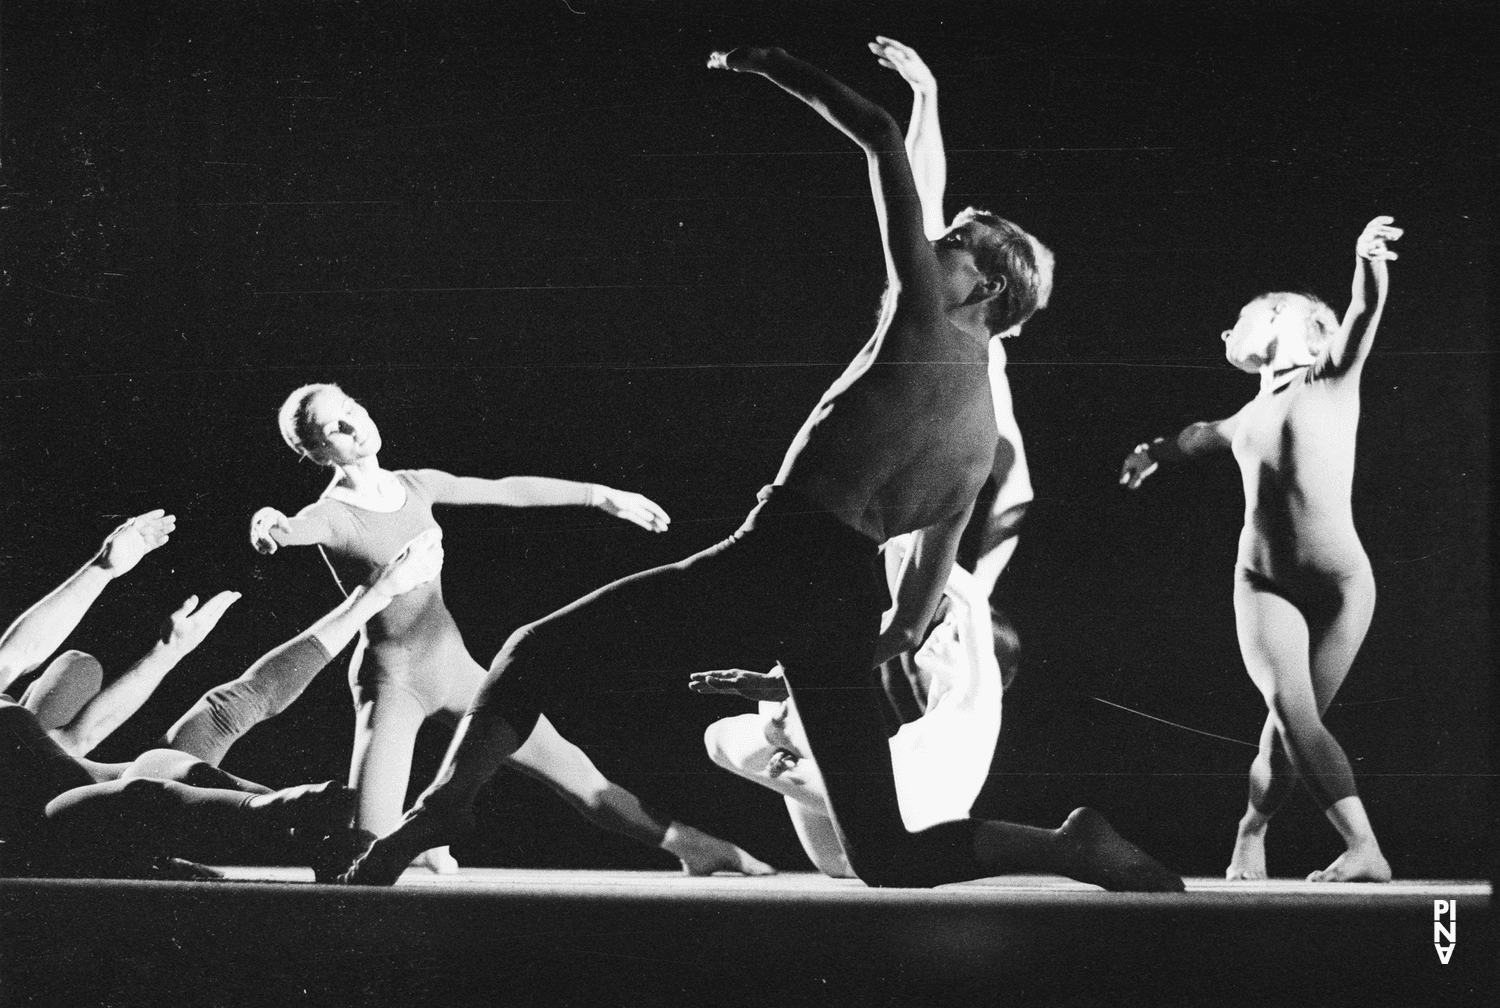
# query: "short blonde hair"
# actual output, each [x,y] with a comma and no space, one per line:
[296,427]
[1322,323]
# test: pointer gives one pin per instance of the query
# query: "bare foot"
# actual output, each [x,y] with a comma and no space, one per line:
[1248,862]
[703,854]
[438,860]
[1096,854]
[1363,864]
[423,829]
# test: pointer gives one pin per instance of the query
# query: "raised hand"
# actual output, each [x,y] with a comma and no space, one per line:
[904,60]
[745,59]
[1138,465]
[769,686]
[418,563]
[125,546]
[633,507]
[185,629]
[1371,243]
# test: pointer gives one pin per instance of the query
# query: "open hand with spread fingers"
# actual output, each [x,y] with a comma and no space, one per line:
[186,628]
[133,539]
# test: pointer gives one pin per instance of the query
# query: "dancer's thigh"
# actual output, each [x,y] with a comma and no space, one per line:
[632,639]
[1274,643]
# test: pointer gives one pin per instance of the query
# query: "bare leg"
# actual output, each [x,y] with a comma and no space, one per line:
[1335,642]
[562,766]
[1276,644]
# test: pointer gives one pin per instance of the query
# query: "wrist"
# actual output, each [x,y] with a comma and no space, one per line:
[593,494]
[1165,450]
[100,568]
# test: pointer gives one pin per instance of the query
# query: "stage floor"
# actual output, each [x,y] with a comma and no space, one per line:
[534,937]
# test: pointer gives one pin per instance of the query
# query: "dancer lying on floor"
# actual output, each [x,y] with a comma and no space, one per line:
[1303,590]
[61,813]
[411,663]
[940,756]
[900,443]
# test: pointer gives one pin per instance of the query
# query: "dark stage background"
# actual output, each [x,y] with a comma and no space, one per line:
[541,238]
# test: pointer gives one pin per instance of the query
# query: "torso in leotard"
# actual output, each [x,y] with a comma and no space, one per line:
[415,638]
[1295,448]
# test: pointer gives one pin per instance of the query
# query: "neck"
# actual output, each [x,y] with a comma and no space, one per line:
[363,476]
[1277,374]
[969,320]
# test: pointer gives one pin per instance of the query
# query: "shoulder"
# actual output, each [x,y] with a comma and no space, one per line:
[430,480]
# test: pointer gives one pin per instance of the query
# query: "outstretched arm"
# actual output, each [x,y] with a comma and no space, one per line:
[40,630]
[917,586]
[544,491]
[1347,351]
[897,208]
[1201,438]
[112,706]
[924,136]
[270,530]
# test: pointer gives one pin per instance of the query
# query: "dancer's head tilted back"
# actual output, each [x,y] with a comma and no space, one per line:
[322,423]
[1281,329]
[1017,269]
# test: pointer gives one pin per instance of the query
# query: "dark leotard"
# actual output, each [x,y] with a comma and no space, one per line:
[413,645]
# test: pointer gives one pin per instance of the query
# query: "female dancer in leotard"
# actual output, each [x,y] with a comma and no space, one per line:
[900,443]
[411,663]
[1303,590]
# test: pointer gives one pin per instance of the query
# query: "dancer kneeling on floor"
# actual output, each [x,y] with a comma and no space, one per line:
[944,706]
[900,443]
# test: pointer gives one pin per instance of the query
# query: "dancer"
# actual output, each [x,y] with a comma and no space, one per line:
[1303,590]
[900,443]
[61,813]
[1011,476]
[940,755]
[411,663]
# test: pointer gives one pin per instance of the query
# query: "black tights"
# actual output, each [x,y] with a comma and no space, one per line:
[794,585]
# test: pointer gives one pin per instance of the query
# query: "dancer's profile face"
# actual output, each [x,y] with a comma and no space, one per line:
[955,253]
[344,432]
[1264,327]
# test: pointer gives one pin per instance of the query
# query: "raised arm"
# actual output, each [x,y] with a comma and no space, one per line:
[419,561]
[924,136]
[897,208]
[40,630]
[112,706]
[917,581]
[544,491]
[1202,438]
[1346,352]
